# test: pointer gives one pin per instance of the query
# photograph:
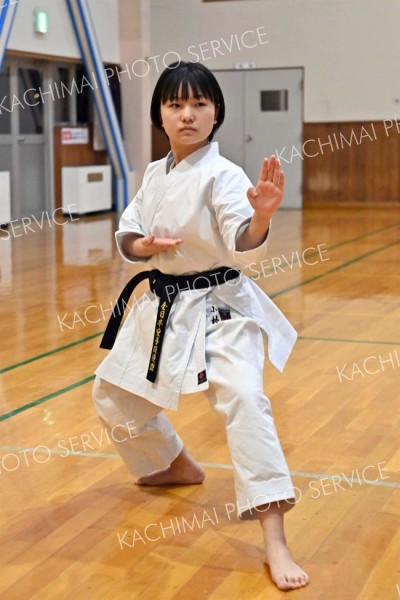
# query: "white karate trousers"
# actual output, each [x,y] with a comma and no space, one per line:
[235,376]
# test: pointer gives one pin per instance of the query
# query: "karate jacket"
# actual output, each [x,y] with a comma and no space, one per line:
[203,201]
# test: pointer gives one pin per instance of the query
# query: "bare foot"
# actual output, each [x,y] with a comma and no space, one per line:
[184,470]
[284,571]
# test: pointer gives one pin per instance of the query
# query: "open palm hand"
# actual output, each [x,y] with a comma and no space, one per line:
[267,195]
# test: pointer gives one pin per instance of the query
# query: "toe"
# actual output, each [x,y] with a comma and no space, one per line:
[294,580]
[303,579]
[283,583]
[300,580]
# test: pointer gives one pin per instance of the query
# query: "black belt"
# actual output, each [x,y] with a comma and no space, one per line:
[167,288]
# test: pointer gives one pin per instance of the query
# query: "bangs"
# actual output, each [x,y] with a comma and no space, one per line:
[196,80]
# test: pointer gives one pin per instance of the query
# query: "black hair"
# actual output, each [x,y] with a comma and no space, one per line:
[195,75]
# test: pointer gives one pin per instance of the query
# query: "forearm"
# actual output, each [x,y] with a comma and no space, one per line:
[254,234]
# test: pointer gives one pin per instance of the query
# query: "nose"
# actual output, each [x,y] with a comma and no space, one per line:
[187,113]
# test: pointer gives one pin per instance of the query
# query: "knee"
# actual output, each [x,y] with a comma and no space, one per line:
[105,403]
[242,399]
[100,398]
[121,409]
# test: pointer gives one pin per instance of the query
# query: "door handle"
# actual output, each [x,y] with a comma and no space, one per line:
[248,139]
[21,139]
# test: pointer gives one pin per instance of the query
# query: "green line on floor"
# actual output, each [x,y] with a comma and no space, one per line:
[338,268]
[64,390]
[50,352]
[322,339]
[332,247]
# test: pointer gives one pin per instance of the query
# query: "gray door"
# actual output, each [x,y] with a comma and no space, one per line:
[264,114]
[23,136]
[232,133]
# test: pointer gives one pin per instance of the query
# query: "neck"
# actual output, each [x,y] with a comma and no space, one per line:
[181,152]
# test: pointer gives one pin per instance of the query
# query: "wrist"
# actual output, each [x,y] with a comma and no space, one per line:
[138,249]
[131,246]
[260,223]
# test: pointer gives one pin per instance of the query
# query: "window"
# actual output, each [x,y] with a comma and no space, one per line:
[274,100]
[29,85]
[62,107]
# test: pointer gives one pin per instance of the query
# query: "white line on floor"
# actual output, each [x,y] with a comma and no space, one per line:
[349,479]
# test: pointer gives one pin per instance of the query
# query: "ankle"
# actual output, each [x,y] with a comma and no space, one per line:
[273,544]
[181,459]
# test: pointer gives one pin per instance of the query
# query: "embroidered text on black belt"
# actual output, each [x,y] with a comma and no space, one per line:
[167,288]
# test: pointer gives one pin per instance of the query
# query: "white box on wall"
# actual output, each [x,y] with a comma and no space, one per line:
[86,189]
[5,197]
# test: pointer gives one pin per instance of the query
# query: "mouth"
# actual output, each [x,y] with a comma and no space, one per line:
[187,129]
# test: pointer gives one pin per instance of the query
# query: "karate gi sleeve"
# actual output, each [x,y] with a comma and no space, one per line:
[233,213]
[131,222]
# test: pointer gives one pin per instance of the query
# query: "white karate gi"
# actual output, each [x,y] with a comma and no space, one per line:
[203,201]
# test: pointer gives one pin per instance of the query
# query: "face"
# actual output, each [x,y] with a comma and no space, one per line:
[188,123]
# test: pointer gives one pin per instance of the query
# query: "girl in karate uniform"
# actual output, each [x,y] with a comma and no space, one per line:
[197,212]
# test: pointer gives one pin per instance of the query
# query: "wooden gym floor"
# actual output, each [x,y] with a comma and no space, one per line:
[73,524]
